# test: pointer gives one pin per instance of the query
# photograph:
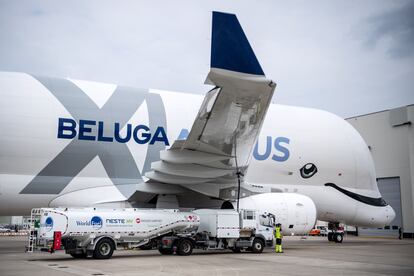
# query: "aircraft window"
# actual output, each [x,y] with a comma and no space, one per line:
[394,227]
[291,226]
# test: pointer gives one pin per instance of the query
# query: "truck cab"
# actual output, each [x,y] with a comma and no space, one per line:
[249,230]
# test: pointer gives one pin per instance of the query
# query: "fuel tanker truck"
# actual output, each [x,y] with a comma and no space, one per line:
[97,232]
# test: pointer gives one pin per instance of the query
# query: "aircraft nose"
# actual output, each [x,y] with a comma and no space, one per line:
[390,214]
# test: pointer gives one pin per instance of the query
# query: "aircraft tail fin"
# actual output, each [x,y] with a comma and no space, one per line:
[230,48]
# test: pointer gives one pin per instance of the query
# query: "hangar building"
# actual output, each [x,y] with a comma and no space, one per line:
[389,135]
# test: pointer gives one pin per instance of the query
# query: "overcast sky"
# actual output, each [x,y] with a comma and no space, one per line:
[347,57]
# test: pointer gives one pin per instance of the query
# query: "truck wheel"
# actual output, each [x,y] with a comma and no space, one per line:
[165,251]
[257,246]
[185,247]
[338,237]
[104,249]
[79,255]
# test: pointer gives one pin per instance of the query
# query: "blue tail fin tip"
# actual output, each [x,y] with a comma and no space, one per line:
[230,48]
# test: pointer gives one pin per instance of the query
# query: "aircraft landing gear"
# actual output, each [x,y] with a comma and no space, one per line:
[333,232]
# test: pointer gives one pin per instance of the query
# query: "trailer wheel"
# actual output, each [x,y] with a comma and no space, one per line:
[104,249]
[165,251]
[79,255]
[185,247]
[257,246]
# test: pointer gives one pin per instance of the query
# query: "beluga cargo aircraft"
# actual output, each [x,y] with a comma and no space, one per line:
[67,142]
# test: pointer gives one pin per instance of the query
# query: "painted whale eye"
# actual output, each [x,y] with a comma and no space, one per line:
[308,170]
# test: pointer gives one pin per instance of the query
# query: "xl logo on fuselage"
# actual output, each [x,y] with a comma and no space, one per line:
[116,157]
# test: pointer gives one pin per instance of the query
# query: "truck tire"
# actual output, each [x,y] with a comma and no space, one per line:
[104,249]
[79,255]
[165,251]
[257,246]
[185,247]
[338,237]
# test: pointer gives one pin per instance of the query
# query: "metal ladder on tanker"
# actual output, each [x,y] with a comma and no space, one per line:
[34,215]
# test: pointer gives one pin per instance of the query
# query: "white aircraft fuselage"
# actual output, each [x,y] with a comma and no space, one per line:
[76,143]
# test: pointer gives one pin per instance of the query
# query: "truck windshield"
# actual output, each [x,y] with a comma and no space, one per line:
[267,220]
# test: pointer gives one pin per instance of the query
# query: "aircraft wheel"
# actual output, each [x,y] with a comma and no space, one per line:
[104,249]
[338,237]
[330,236]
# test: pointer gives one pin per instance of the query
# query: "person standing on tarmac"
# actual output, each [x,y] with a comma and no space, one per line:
[278,237]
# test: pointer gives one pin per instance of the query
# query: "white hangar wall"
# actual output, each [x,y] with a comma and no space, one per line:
[390,136]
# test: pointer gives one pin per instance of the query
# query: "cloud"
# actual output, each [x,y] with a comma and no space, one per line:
[312,50]
[395,29]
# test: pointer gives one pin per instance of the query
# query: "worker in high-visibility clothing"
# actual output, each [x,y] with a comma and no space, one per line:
[278,237]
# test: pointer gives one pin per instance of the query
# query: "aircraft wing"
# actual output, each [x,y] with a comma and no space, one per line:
[225,130]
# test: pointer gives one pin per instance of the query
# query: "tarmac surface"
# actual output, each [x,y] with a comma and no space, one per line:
[310,256]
